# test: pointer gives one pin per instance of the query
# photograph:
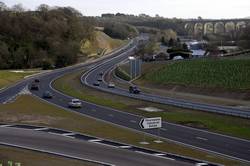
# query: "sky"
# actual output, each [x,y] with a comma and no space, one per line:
[214,9]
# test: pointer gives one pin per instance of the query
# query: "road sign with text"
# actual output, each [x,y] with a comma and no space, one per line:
[151,123]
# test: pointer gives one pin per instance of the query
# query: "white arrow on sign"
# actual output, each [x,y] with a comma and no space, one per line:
[151,123]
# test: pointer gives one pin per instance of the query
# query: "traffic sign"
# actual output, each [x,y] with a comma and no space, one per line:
[151,123]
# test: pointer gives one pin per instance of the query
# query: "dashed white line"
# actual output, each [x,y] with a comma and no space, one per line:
[68,134]
[125,147]
[163,129]
[41,129]
[200,138]
[6,125]
[94,140]
[154,155]
[159,154]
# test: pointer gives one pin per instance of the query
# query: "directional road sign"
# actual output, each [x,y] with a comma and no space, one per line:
[151,123]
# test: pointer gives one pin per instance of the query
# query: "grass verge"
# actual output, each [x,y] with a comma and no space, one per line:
[29,110]
[19,157]
[8,77]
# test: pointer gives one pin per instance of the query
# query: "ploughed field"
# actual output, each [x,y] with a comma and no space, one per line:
[210,73]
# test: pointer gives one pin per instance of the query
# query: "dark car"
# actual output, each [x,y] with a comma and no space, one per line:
[99,79]
[34,87]
[47,95]
[101,73]
[96,83]
[37,80]
[134,90]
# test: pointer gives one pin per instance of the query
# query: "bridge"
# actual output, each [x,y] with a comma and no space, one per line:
[210,26]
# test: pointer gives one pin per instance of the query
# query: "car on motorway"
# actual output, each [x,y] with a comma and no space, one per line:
[99,79]
[37,80]
[101,73]
[47,95]
[134,90]
[34,87]
[111,85]
[75,103]
[96,83]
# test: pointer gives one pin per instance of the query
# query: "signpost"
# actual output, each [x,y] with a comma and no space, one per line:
[151,123]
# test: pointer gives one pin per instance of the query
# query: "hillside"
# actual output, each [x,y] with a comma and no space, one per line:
[100,45]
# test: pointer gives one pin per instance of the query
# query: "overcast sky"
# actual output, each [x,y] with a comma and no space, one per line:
[167,8]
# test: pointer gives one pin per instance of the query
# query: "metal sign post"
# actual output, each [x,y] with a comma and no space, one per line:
[151,123]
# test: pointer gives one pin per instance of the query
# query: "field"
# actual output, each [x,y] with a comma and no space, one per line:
[8,77]
[210,73]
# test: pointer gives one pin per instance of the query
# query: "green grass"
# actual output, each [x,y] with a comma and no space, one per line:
[122,74]
[26,158]
[8,77]
[29,110]
[228,125]
[214,73]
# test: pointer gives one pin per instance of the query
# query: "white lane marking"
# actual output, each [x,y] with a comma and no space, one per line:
[201,164]
[154,155]
[103,144]
[159,154]
[111,115]
[68,134]
[125,147]
[200,138]
[41,129]
[132,121]
[94,140]
[6,125]
[163,129]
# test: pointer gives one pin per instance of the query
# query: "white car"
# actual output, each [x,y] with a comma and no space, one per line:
[111,85]
[75,103]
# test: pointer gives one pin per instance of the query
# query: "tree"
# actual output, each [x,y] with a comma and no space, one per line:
[171,42]
[18,8]
[3,7]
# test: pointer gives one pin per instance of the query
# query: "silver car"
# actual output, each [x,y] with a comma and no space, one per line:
[75,103]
